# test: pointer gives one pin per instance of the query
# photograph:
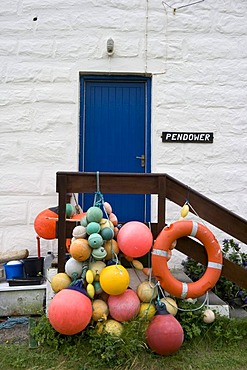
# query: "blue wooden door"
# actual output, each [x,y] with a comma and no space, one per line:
[115,120]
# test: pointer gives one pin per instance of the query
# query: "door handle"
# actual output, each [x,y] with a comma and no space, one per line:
[142,158]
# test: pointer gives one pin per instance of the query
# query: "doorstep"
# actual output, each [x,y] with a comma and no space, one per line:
[214,302]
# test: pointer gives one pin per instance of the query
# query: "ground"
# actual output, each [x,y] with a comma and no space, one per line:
[16,334]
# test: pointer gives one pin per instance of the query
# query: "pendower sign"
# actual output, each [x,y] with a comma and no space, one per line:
[187,137]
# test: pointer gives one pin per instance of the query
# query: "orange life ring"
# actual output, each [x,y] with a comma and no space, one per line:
[160,251]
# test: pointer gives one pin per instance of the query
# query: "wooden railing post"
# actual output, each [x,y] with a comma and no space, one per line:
[161,203]
[62,191]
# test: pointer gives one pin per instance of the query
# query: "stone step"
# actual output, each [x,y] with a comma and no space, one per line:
[213,298]
[215,302]
[238,313]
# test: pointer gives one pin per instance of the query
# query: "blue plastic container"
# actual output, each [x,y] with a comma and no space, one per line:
[13,270]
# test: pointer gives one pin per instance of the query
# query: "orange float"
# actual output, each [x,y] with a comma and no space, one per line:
[80,249]
[78,216]
[160,254]
[45,223]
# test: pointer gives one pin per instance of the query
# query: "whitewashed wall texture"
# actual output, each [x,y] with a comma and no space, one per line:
[198,61]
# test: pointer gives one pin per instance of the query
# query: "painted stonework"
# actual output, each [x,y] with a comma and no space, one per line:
[197,60]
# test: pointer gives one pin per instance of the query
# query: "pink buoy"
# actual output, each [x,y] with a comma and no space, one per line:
[164,334]
[70,311]
[135,239]
[116,230]
[124,307]
[113,219]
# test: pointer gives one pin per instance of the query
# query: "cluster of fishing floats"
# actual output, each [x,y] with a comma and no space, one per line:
[95,287]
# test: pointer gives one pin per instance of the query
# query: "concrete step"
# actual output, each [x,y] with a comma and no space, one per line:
[215,302]
[213,298]
[238,313]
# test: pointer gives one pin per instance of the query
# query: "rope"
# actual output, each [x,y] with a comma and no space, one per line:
[190,206]
[98,196]
[114,254]
[77,206]
[138,277]
[205,302]
[202,221]
[13,321]
[149,254]
[97,181]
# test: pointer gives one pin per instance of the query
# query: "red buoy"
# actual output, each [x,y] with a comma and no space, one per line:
[70,311]
[124,307]
[164,334]
[45,225]
[135,239]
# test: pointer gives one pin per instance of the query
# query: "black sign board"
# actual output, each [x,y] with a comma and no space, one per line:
[187,137]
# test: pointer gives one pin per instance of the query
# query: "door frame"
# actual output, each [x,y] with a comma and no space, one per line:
[147,133]
[125,78]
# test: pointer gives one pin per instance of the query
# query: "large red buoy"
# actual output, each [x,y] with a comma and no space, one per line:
[135,239]
[45,223]
[124,307]
[164,334]
[44,226]
[70,311]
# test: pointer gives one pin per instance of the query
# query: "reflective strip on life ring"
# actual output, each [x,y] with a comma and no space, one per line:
[160,252]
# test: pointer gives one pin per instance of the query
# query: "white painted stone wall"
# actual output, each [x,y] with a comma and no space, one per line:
[198,62]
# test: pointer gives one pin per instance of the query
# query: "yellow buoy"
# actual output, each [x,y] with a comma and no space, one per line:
[171,305]
[100,310]
[104,222]
[147,311]
[185,210]
[146,291]
[114,279]
[90,290]
[111,327]
[89,276]
[137,264]
[60,281]
[96,268]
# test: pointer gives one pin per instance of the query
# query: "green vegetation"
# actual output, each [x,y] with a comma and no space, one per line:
[228,291]
[220,345]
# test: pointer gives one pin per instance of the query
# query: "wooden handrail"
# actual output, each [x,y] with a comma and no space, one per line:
[208,210]
[165,187]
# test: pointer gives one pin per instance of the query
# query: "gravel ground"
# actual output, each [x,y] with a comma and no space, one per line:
[16,334]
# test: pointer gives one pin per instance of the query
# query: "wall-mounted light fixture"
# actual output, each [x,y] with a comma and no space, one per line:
[110,46]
